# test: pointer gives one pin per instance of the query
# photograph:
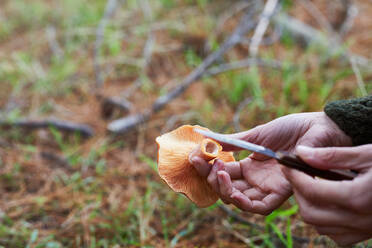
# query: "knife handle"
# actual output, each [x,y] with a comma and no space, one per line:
[295,162]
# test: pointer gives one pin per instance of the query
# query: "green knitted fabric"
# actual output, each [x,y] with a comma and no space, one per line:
[354,117]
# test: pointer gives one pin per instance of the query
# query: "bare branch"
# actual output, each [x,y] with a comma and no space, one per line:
[245,25]
[244,63]
[125,124]
[335,39]
[318,16]
[109,11]
[51,35]
[263,23]
[134,120]
[62,125]
[108,105]
[308,34]
[236,118]
[351,13]
[358,75]
[232,11]
[301,30]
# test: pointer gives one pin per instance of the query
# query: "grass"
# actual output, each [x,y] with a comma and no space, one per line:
[107,192]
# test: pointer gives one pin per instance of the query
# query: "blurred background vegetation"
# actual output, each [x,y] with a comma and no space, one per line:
[69,69]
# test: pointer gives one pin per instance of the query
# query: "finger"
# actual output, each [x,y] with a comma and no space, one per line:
[255,201]
[212,177]
[320,190]
[233,169]
[349,239]
[269,203]
[325,215]
[251,135]
[225,184]
[201,166]
[240,185]
[254,194]
[358,157]
[259,207]
[228,147]
[259,157]
[242,201]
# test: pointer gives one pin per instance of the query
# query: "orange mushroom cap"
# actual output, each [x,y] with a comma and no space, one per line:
[175,168]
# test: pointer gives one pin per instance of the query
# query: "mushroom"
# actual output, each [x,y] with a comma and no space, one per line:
[175,168]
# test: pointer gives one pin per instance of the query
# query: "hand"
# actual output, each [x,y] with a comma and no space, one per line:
[256,184]
[342,210]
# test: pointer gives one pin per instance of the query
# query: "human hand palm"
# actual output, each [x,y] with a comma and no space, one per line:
[256,184]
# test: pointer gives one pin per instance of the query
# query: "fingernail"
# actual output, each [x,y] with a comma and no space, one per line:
[235,195]
[220,165]
[305,151]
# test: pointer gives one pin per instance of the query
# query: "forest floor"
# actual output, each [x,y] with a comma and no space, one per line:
[97,188]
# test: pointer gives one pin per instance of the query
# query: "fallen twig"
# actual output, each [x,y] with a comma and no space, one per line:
[358,75]
[318,16]
[266,41]
[336,39]
[351,13]
[109,11]
[263,23]
[233,10]
[51,35]
[235,65]
[108,105]
[244,63]
[84,130]
[301,30]
[236,118]
[125,124]
[309,34]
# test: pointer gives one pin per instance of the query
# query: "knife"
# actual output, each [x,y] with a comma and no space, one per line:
[285,158]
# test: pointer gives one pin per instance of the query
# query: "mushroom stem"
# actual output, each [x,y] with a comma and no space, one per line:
[208,149]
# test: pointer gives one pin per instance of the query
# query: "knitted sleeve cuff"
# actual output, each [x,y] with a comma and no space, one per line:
[354,117]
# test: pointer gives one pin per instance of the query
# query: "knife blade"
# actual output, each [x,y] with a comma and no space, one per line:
[237,143]
[283,157]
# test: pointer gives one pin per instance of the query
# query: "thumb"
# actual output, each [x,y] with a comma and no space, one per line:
[252,136]
[358,157]
[249,136]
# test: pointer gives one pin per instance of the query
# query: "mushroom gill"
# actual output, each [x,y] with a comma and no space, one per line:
[176,170]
